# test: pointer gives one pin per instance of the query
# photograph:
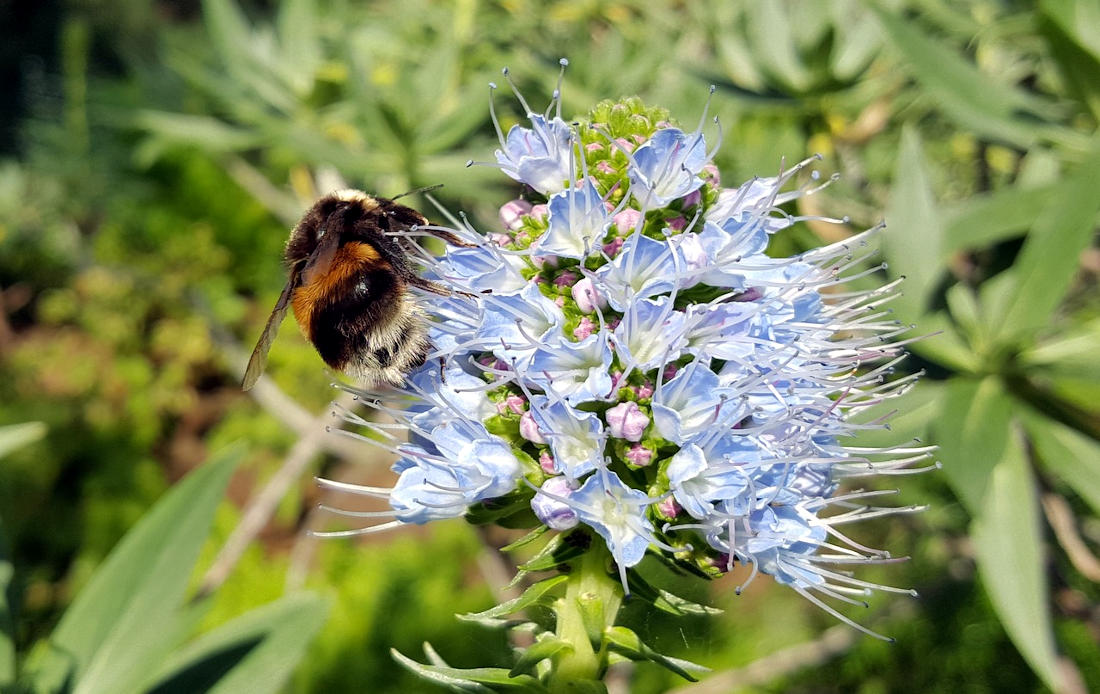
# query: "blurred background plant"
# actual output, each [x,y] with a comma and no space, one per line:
[153,155]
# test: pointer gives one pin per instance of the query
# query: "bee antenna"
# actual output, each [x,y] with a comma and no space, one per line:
[414,191]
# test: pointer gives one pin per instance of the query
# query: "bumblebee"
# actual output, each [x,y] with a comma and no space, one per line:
[349,272]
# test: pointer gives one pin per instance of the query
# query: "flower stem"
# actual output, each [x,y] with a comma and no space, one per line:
[591,604]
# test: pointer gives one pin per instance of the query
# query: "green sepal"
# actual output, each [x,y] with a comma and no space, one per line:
[547,646]
[592,616]
[506,427]
[664,600]
[561,549]
[532,596]
[526,539]
[494,510]
[627,643]
[469,680]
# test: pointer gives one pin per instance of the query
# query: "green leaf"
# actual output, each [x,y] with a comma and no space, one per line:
[107,630]
[1079,19]
[8,669]
[972,432]
[1008,546]
[1049,259]
[532,596]
[982,219]
[15,436]
[255,652]
[469,680]
[627,643]
[1070,352]
[547,646]
[913,233]
[944,345]
[207,132]
[1069,454]
[526,539]
[971,97]
[664,600]
[558,551]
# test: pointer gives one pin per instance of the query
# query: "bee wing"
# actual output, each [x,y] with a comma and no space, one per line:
[259,355]
[321,259]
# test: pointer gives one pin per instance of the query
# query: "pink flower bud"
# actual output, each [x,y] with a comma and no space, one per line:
[511,213]
[539,211]
[627,145]
[499,238]
[710,172]
[626,421]
[604,167]
[639,455]
[677,223]
[560,301]
[585,328]
[668,507]
[587,298]
[593,147]
[626,220]
[512,403]
[541,261]
[644,391]
[546,462]
[670,372]
[612,249]
[529,430]
[565,279]
[692,199]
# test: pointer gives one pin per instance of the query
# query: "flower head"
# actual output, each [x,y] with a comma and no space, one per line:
[632,363]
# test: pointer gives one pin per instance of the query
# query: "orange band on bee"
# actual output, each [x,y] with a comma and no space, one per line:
[350,260]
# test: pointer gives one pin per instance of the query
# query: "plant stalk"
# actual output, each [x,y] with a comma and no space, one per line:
[590,605]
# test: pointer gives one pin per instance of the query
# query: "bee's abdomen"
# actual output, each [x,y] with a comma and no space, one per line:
[371,330]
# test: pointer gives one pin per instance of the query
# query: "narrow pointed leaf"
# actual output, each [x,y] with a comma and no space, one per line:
[627,643]
[972,432]
[546,647]
[914,234]
[1008,545]
[106,631]
[472,679]
[664,600]
[256,652]
[984,219]
[972,98]
[533,595]
[1072,456]
[1050,256]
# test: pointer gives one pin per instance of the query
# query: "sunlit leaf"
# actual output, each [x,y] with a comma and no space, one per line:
[914,234]
[1049,259]
[627,643]
[472,679]
[547,646]
[106,631]
[984,219]
[973,98]
[534,595]
[1008,545]
[1072,456]
[255,652]
[972,432]
[15,436]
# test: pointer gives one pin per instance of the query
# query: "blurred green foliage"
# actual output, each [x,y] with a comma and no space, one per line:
[156,152]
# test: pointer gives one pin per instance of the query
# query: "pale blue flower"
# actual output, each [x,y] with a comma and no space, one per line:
[539,156]
[577,223]
[575,371]
[618,513]
[576,438]
[691,404]
[667,167]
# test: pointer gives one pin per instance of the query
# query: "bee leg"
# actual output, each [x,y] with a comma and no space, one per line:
[435,287]
[442,370]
